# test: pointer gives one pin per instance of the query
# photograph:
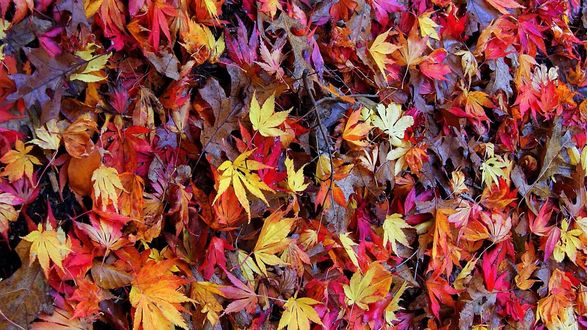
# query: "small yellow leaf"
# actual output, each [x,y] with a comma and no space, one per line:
[91,72]
[19,162]
[364,290]
[494,168]
[295,179]
[48,136]
[238,174]
[298,314]
[47,245]
[428,26]
[394,306]
[392,231]
[264,118]
[107,185]
[347,244]
[380,49]
[272,240]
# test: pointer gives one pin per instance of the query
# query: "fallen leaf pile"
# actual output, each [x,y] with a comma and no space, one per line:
[293,164]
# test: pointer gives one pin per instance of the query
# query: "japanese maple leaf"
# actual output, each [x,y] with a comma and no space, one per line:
[215,256]
[298,314]
[238,174]
[412,49]
[88,295]
[355,131]
[369,288]
[264,118]
[384,7]
[104,233]
[380,51]
[204,294]
[107,185]
[7,211]
[47,245]
[272,240]
[538,224]
[158,13]
[342,9]
[18,162]
[432,66]
[295,179]
[439,291]
[243,296]
[393,231]
[155,297]
[530,34]
[272,60]
[503,5]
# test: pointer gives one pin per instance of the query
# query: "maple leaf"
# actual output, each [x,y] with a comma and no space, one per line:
[393,305]
[238,175]
[92,70]
[88,295]
[568,244]
[355,131]
[159,11]
[347,244]
[203,293]
[48,136]
[367,289]
[298,314]
[525,269]
[474,102]
[494,168]
[295,179]
[380,49]
[271,60]
[244,296]
[264,118]
[18,162]
[392,122]
[47,245]
[439,291]
[107,185]
[428,26]
[272,240]
[77,137]
[393,233]
[7,211]
[155,297]
[503,5]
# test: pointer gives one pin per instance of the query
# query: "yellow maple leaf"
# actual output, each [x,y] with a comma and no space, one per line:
[19,162]
[392,231]
[380,49]
[48,136]
[203,294]
[155,297]
[95,63]
[7,211]
[47,245]
[347,244]
[494,168]
[264,118]
[272,240]
[394,306]
[367,289]
[428,26]
[298,314]
[238,174]
[568,243]
[106,185]
[295,179]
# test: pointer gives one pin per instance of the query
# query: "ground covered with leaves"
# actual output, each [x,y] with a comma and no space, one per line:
[271,164]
